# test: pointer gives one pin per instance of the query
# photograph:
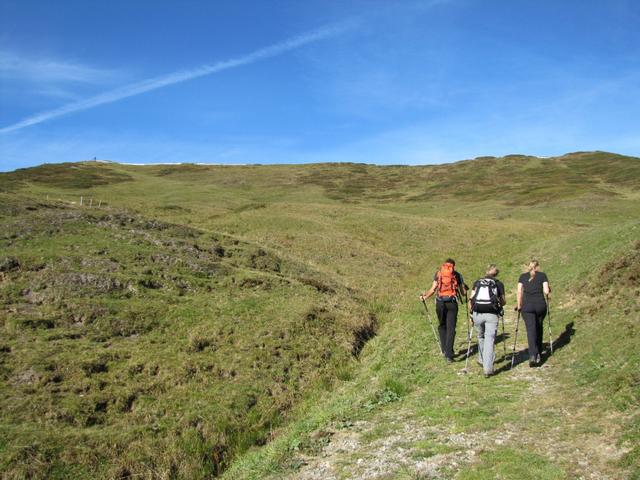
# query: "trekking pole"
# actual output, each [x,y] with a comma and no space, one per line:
[469,330]
[504,338]
[549,317]
[431,324]
[466,306]
[515,340]
[469,337]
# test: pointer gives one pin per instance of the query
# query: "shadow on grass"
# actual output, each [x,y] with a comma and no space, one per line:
[523,355]
[563,340]
[461,354]
[462,348]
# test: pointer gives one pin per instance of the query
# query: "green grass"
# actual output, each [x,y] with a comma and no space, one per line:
[508,463]
[212,320]
[63,175]
[205,338]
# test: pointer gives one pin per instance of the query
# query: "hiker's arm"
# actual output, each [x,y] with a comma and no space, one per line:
[428,293]
[546,289]
[464,288]
[519,306]
[471,295]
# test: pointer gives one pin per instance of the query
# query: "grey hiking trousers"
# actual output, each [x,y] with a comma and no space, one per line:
[486,326]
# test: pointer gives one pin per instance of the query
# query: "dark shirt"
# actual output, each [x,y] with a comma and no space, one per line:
[532,291]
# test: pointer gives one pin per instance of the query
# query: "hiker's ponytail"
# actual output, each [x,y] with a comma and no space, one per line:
[532,267]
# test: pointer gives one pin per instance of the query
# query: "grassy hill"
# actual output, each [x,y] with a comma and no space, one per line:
[256,321]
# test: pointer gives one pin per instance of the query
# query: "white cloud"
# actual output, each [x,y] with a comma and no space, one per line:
[48,70]
[184,75]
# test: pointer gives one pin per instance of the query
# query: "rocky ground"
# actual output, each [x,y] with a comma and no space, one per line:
[398,444]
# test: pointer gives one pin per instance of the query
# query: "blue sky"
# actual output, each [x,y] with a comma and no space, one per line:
[385,82]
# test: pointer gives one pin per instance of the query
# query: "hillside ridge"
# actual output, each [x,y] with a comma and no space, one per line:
[601,154]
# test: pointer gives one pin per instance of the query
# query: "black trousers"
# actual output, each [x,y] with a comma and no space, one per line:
[533,316]
[447,317]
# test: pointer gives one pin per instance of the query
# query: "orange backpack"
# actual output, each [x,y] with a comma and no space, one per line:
[447,281]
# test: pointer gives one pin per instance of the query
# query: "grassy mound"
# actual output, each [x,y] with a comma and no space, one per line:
[132,345]
[63,175]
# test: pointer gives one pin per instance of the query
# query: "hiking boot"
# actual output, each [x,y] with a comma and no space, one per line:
[538,359]
[532,362]
[487,375]
[448,359]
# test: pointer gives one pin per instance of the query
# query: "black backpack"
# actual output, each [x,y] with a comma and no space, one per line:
[486,298]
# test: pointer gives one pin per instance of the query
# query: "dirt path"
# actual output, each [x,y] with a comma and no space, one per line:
[398,444]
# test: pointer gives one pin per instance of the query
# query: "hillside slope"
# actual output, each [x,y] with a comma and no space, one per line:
[212,318]
[135,340]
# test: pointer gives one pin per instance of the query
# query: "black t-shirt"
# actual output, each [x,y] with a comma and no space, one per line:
[533,292]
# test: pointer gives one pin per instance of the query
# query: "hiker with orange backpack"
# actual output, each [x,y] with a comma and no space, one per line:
[448,284]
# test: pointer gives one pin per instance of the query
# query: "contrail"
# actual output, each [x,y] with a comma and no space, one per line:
[182,76]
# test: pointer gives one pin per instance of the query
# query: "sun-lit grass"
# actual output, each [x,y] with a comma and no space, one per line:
[210,319]
[510,463]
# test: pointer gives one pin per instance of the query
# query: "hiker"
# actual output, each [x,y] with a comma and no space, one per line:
[486,301]
[449,284]
[533,288]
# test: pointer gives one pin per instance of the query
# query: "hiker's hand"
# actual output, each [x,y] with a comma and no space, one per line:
[517,308]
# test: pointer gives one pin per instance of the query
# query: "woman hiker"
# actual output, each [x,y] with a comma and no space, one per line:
[533,289]
[448,284]
[486,301]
